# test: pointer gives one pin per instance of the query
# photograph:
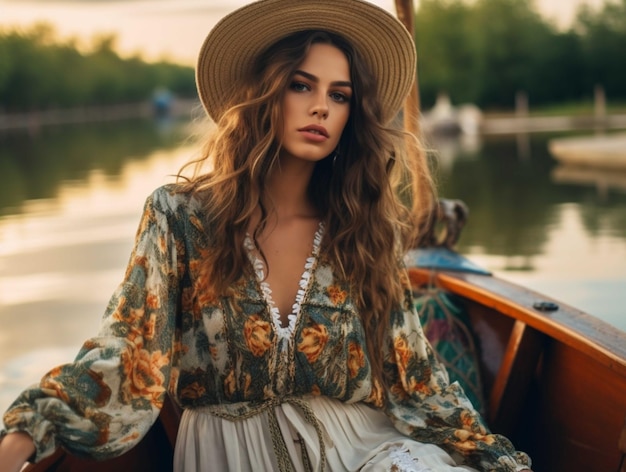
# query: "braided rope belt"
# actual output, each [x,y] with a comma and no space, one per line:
[243,411]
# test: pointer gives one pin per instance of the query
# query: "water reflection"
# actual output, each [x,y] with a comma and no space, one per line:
[603,180]
[506,194]
[514,194]
[34,163]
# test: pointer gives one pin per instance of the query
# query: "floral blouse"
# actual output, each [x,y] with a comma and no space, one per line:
[162,332]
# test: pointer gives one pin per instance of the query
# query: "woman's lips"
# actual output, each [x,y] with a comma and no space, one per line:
[315,133]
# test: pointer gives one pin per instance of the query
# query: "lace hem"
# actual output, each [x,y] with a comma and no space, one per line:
[401,461]
[285,332]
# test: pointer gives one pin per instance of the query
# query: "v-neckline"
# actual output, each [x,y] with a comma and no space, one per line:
[303,285]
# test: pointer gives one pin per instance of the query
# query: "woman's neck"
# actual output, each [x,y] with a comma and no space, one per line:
[287,191]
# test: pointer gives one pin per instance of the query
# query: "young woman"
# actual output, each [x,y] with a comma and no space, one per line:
[267,294]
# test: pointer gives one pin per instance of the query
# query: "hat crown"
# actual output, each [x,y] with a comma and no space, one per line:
[232,46]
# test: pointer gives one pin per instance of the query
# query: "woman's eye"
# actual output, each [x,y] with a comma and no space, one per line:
[339,97]
[299,87]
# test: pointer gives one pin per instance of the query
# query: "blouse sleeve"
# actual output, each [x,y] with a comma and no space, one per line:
[425,406]
[104,402]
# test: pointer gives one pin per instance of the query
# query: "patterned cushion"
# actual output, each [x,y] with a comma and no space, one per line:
[448,329]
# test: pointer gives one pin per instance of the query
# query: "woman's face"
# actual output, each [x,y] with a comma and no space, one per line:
[316,105]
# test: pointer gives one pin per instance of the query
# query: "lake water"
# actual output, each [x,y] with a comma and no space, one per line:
[71,197]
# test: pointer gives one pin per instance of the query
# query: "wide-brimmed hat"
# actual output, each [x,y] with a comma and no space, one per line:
[232,46]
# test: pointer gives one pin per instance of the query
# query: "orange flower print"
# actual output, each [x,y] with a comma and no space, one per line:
[138,261]
[399,392]
[247,383]
[376,396]
[257,334]
[118,315]
[180,348]
[214,352]
[204,293]
[419,387]
[356,359]
[132,437]
[162,241]
[314,339]
[133,318]
[149,327]
[142,374]
[52,387]
[80,379]
[230,384]
[152,301]
[193,391]
[403,353]
[315,390]
[336,295]
[468,436]
[468,440]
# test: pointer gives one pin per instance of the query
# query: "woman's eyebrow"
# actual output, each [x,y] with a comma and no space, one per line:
[312,78]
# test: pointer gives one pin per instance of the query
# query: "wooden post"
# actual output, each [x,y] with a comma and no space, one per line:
[521,103]
[599,101]
[406,15]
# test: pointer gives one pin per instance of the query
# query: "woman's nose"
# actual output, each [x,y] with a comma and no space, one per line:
[320,107]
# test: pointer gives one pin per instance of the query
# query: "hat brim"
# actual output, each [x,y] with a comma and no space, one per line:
[232,45]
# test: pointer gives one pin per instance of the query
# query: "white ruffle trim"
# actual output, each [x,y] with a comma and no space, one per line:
[285,332]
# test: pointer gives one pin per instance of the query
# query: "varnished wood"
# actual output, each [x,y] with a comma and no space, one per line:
[571,416]
[575,421]
[170,419]
[622,447]
[406,14]
[568,325]
[512,384]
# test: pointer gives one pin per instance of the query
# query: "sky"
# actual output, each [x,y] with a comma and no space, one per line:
[172,29]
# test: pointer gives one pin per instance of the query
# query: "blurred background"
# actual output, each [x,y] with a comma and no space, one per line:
[524,115]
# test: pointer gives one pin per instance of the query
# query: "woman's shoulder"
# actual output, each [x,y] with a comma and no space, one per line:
[174,198]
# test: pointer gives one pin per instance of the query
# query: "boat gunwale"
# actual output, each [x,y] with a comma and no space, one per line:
[568,325]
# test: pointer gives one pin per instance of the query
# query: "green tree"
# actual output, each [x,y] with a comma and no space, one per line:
[446,59]
[603,37]
[37,72]
[508,35]
[486,51]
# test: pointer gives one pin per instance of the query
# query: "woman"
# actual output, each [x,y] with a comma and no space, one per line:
[313,194]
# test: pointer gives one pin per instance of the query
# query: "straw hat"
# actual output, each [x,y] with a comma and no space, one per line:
[233,44]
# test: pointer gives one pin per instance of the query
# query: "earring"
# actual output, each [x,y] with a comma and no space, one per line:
[335,155]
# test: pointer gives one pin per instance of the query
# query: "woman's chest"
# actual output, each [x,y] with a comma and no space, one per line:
[239,343]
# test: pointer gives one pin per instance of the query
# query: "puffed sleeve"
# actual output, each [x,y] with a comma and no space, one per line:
[423,404]
[104,402]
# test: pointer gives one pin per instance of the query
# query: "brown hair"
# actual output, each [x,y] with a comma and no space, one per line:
[372,197]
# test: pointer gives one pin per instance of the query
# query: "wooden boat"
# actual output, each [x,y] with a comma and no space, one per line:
[553,378]
[599,151]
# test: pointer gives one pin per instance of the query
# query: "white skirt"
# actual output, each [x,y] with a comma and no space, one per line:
[356,438]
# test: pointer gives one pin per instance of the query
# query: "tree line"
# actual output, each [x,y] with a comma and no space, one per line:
[481,51]
[486,51]
[38,71]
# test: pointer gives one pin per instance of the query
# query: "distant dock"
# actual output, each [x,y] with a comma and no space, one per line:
[37,119]
[534,124]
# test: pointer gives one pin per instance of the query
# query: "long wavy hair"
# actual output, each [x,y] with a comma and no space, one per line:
[373,197]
